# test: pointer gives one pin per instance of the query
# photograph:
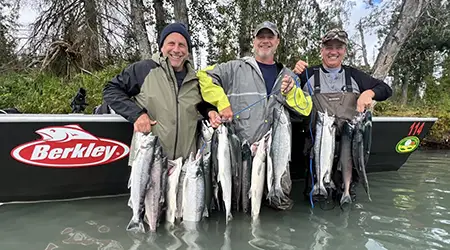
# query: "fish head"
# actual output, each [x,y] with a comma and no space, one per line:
[64,133]
[328,121]
[158,153]
[320,117]
[207,130]
[194,168]
[146,140]
[262,146]
[222,130]
[280,115]
[174,164]
[348,128]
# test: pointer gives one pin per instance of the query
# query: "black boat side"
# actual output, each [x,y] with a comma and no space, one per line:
[47,172]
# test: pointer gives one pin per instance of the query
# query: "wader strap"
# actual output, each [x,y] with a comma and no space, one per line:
[316,75]
[348,80]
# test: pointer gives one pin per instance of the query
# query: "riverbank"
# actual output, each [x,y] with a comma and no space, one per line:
[35,92]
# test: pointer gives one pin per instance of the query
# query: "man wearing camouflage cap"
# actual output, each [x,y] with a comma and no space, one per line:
[343,91]
[252,88]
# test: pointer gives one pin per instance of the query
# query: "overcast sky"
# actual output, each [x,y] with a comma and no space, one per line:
[27,15]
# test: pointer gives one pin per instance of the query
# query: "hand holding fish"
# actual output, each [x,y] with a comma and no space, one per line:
[287,84]
[226,114]
[143,124]
[214,119]
[300,66]
[365,100]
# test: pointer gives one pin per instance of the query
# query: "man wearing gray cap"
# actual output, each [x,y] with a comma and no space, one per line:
[248,90]
[342,91]
[234,85]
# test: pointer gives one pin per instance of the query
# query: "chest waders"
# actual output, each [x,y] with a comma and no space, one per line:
[343,106]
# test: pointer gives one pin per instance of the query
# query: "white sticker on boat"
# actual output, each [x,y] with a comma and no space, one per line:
[69,146]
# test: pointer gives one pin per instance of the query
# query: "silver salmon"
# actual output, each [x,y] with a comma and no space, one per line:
[324,146]
[154,199]
[236,167]
[258,176]
[205,146]
[180,191]
[216,204]
[363,128]
[194,190]
[281,156]
[345,161]
[246,176]
[269,173]
[174,170]
[139,179]
[224,164]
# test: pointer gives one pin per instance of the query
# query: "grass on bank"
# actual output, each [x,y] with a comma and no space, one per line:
[42,93]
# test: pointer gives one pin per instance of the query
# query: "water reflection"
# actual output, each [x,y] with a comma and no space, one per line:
[410,210]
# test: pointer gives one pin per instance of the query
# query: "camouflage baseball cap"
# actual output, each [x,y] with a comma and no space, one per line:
[267,25]
[335,34]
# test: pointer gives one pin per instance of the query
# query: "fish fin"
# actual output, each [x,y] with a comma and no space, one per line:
[136,226]
[279,195]
[332,185]
[129,183]
[75,126]
[271,194]
[346,199]
[320,190]
[130,203]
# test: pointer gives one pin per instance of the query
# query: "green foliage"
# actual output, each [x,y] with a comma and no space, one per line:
[439,133]
[42,93]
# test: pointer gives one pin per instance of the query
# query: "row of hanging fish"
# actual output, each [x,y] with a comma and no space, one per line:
[354,153]
[242,174]
[226,175]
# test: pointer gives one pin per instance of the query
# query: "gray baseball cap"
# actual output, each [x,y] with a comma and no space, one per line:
[267,25]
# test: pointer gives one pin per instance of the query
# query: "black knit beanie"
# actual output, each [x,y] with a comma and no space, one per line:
[175,27]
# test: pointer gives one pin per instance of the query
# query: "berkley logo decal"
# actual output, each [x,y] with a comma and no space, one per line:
[68,147]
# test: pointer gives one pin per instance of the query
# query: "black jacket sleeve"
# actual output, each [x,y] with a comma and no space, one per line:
[204,107]
[118,92]
[381,89]
[305,76]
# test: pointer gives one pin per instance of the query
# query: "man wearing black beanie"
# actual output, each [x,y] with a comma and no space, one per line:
[162,95]
[178,28]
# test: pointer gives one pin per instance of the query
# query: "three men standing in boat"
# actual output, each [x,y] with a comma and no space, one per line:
[356,89]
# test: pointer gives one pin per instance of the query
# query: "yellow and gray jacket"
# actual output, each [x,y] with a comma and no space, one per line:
[241,84]
[150,86]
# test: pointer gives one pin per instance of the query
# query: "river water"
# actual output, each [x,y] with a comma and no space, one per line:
[410,209]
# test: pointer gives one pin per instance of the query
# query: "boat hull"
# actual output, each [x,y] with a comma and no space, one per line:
[36,151]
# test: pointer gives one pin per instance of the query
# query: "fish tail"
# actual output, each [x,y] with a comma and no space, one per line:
[206,212]
[279,194]
[346,199]
[319,189]
[229,217]
[136,226]
[271,194]
[367,192]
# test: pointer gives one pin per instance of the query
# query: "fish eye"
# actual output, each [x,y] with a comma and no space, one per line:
[52,130]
